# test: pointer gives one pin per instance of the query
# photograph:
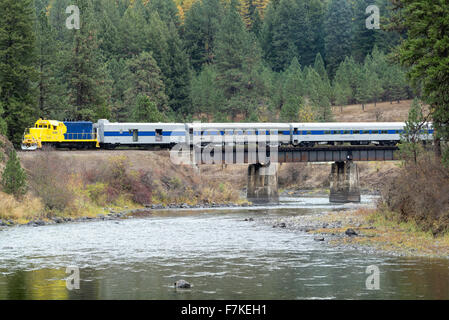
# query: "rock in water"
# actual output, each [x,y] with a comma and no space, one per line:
[182,284]
[318,239]
[350,232]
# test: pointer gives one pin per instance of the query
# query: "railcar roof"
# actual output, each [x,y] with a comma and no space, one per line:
[144,123]
[349,124]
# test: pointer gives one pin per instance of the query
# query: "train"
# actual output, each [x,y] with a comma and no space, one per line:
[110,135]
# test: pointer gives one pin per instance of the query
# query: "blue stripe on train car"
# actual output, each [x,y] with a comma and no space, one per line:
[143,133]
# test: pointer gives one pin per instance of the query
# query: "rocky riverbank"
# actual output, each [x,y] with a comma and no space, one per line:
[113,214]
[367,230]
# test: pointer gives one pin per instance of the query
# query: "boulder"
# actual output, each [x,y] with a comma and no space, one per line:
[182,284]
[350,232]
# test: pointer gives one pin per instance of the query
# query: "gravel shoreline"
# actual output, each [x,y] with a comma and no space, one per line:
[350,230]
[123,214]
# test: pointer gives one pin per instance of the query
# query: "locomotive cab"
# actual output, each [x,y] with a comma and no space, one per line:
[43,131]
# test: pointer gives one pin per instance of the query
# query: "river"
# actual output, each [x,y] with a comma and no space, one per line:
[220,254]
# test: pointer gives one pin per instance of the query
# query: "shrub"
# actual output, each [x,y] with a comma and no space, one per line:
[49,179]
[97,193]
[14,177]
[420,193]
[27,208]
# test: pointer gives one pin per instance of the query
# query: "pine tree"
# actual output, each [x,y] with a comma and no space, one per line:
[52,104]
[237,60]
[337,40]
[386,38]
[284,31]
[13,176]
[166,9]
[318,95]
[178,76]
[316,13]
[206,96]
[364,88]
[292,28]
[342,94]
[201,25]
[145,110]
[117,68]
[364,38]
[376,85]
[347,78]
[320,68]
[294,80]
[17,69]
[410,138]
[57,17]
[326,88]
[109,33]
[133,31]
[144,78]
[290,110]
[87,77]
[396,83]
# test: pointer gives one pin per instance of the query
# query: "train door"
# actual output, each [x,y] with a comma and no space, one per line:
[135,134]
[295,138]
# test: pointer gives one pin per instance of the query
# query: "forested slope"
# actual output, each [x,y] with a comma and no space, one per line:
[166,60]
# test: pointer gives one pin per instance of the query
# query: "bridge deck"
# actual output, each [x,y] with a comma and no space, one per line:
[240,154]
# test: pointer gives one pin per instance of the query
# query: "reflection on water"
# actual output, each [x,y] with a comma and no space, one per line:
[223,257]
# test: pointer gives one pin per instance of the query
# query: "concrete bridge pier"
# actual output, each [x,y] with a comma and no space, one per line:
[344,182]
[263,183]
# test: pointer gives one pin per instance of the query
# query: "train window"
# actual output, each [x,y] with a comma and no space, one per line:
[356,131]
[158,134]
[384,132]
[346,132]
[365,132]
[190,131]
[327,132]
[295,131]
[309,132]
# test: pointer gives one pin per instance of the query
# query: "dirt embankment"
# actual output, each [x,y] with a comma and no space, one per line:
[296,176]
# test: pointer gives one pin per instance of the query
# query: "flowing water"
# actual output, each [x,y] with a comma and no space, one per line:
[220,254]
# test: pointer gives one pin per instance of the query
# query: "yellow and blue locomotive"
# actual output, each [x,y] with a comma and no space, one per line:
[67,134]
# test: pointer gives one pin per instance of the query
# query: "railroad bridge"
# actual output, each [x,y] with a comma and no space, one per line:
[263,165]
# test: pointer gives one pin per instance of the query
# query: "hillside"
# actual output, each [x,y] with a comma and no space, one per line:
[383,111]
